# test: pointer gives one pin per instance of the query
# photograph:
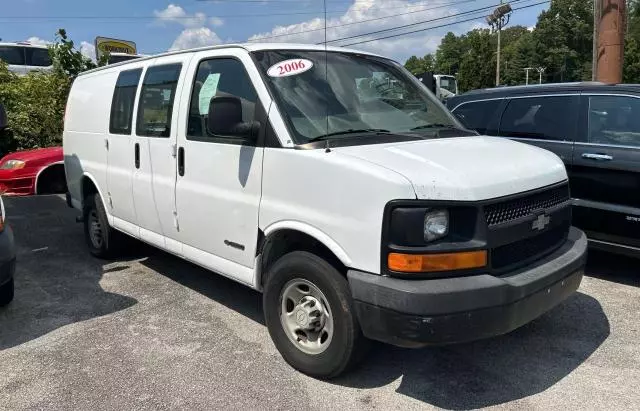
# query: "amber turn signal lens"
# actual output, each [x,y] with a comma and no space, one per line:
[424,263]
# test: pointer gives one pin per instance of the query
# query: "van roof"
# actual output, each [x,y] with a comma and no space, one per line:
[23,44]
[246,46]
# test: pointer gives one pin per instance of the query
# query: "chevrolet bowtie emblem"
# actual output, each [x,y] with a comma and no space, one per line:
[541,222]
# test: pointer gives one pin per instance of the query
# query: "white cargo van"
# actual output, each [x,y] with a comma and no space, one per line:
[332,181]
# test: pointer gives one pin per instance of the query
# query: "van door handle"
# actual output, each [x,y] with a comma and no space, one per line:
[136,151]
[181,161]
[598,157]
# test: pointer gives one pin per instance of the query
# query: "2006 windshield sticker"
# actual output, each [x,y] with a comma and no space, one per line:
[289,68]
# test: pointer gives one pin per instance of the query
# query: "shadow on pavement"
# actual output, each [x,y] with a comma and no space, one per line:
[494,371]
[59,285]
[57,281]
[613,267]
[222,290]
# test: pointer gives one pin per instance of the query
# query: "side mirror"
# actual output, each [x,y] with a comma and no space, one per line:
[225,119]
[3,117]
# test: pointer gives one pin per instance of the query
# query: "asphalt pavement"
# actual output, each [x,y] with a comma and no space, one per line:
[150,331]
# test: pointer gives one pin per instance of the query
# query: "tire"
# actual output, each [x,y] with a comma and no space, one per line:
[343,347]
[102,240]
[6,293]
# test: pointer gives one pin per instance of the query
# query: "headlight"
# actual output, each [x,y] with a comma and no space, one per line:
[12,165]
[436,224]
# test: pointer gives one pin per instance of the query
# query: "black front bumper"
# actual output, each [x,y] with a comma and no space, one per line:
[413,313]
[7,255]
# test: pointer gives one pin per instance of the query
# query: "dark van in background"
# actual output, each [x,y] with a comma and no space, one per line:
[594,128]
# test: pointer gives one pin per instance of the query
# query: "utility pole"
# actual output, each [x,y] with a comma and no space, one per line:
[611,41]
[497,20]
[597,10]
[527,71]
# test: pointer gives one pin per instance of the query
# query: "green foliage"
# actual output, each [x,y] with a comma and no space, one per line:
[561,42]
[35,103]
[418,65]
[631,70]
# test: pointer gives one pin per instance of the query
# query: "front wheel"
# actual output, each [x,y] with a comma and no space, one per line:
[310,315]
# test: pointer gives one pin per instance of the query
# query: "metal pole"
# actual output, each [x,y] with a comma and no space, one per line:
[527,80]
[597,8]
[499,22]
[611,42]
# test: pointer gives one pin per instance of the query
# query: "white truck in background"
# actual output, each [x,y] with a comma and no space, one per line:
[442,85]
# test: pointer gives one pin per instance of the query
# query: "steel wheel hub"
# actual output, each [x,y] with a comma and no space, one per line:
[305,316]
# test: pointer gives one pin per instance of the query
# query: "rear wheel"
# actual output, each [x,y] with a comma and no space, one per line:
[6,293]
[310,315]
[102,240]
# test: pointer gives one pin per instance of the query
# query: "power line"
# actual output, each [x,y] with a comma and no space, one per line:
[241,15]
[421,22]
[435,27]
[366,20]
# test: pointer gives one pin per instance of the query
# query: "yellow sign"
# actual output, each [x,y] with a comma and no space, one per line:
[107,45]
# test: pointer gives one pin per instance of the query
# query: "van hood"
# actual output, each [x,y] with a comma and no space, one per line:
[465,168]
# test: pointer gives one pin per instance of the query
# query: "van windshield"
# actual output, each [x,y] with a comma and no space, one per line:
[334,95]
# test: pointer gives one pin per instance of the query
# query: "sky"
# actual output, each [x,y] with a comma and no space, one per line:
[157,26]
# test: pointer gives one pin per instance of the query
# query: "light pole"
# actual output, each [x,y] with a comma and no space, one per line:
[540,71]
[497,20]
[527,71]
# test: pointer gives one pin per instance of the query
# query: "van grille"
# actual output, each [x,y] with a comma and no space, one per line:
[511,210]
[528,249]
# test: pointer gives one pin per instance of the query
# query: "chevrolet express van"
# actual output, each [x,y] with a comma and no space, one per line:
[331,180]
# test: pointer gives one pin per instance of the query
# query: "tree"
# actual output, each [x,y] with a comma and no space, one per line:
[417,65]
[449,54]
[414,65]
[68,61]
[564,35]
[478,64]
[35,103]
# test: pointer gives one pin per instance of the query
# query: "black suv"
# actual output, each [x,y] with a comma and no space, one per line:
[594,128]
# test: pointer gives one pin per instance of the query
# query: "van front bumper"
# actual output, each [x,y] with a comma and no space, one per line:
[414,313]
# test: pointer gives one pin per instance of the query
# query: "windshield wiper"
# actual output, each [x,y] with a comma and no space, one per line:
[434,125]
[349,131]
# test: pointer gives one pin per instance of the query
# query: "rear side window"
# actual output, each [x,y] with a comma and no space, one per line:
[124,97]
[156,100]
[12,55]
[614,120]
[543,118]
[477,115]
[38,57]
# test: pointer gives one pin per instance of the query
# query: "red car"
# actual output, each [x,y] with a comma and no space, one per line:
[39,171]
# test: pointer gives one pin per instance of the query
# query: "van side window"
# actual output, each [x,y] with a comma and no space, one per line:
[614,120]
[38,57]
[124,96]
[477,115]
[544,118]
[156,100]
[217,78]
[12,55]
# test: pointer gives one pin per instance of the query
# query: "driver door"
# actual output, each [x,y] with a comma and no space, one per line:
[219,181]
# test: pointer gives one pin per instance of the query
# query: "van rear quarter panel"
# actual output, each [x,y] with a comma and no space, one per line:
[86,130]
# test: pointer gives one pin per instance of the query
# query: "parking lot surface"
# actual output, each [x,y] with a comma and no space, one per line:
[150,331]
